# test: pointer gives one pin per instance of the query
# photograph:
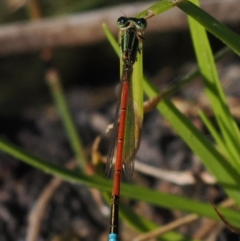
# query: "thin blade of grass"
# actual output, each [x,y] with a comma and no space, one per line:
[137,86]
[53,81]
[212,130]
[130,191]
[157,8]
[229,129]
[218,29]
[50,168]
[111,39]
[225,174]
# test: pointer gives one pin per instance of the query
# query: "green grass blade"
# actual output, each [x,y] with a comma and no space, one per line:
[191,75]
[130,191]
[229,129]
[218,29]
[157,8]
[111,39]
[212,130]
[212,159]
[53,169]
[137,87]
[54,84]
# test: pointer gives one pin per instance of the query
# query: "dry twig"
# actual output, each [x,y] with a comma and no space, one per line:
[177,177]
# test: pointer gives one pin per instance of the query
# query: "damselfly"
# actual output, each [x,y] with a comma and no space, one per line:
[128,122]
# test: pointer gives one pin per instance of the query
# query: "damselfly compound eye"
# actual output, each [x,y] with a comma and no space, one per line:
[122,22]
[141,23]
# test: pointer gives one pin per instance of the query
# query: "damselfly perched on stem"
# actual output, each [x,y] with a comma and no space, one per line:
[129,114]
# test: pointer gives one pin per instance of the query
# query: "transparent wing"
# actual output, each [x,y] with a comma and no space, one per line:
[131,140]
[113,136]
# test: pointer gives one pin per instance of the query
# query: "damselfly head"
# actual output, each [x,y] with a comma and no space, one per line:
[125,23]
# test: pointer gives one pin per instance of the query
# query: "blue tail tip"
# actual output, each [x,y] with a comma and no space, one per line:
[112,237]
